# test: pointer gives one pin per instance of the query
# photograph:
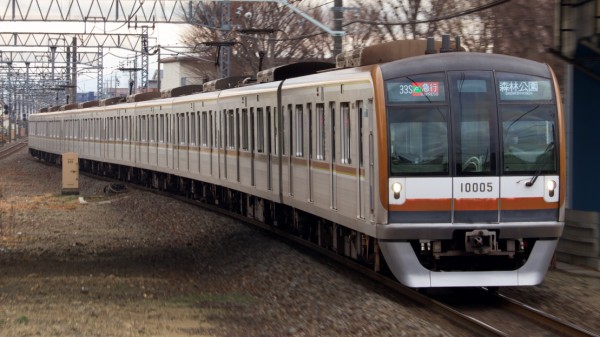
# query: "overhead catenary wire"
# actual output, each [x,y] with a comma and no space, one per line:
[436,19]
[381,23]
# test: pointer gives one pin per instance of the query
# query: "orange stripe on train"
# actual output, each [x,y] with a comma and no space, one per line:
[484,204]
[526,203]
[412,205]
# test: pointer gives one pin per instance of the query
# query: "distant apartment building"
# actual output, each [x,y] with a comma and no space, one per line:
[185,70]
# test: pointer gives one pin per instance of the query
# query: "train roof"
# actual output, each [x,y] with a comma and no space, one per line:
[287,71]
[395,50]
[462,62]
[396,59]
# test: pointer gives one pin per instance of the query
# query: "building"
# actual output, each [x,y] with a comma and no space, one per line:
[577,40]
[185,70]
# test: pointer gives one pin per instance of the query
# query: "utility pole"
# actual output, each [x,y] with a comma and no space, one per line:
[225,57]
[338,18]
[74,73]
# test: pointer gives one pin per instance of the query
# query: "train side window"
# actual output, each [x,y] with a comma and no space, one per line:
[251,129]
[151,128]
[193,128]
[110,128]
[222,138]
[345,132]
[125,128]
[332,128]
[276,131]
[210,130]
[260,131]
[237,129]
[230,130]
[320,131]
[310,130]
[270,142]
[183,128]
[161,128]
[203,128]
[144,129]
[359,119]
[118,135]
[299,132]
[285,116]
[244,130]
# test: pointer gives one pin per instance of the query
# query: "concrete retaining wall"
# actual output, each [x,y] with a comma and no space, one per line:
[580,241]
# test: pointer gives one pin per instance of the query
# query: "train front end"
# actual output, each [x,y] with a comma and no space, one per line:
[472,174]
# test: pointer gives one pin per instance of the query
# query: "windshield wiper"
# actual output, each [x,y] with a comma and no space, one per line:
[539,170]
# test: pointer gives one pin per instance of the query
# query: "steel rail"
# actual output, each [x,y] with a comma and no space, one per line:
[14,148]
[557,324]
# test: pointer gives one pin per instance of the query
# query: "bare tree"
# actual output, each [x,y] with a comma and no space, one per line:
[525,29]
[388,20]
[263,32]
[517,27]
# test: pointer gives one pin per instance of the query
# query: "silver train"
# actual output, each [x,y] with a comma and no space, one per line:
[445,169]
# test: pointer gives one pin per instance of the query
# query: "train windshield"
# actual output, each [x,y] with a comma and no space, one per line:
[461,121]
[418,125]
[528,114]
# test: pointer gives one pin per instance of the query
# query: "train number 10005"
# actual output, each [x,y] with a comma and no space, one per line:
[476,187]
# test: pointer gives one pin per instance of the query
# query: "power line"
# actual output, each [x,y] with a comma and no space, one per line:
[436,19]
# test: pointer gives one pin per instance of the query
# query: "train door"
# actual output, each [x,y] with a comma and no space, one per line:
[126,130]
[332,163]
[369,156]
[222,122]
[288,134]
[171,140]
[237,143]
[143,139]
[476,184]
[212,142]
[269,150]
[110,130]
[228,141]
[251,148]
[309,141]
[180,136]
[360,168]
[103,138]
[118,144]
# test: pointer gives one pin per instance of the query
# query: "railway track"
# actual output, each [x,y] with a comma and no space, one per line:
[479,311]
[554,323]
[527,321]
[509,317]
[9,149]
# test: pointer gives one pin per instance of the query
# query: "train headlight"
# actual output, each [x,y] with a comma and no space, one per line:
[396,188]
[551,186]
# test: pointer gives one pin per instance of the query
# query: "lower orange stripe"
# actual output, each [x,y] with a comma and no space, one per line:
[424,205]
[489,204]
[526,203]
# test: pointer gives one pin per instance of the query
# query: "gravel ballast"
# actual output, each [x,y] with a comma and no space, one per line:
[140,264]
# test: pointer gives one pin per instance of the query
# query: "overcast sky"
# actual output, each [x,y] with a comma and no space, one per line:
[163,34]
